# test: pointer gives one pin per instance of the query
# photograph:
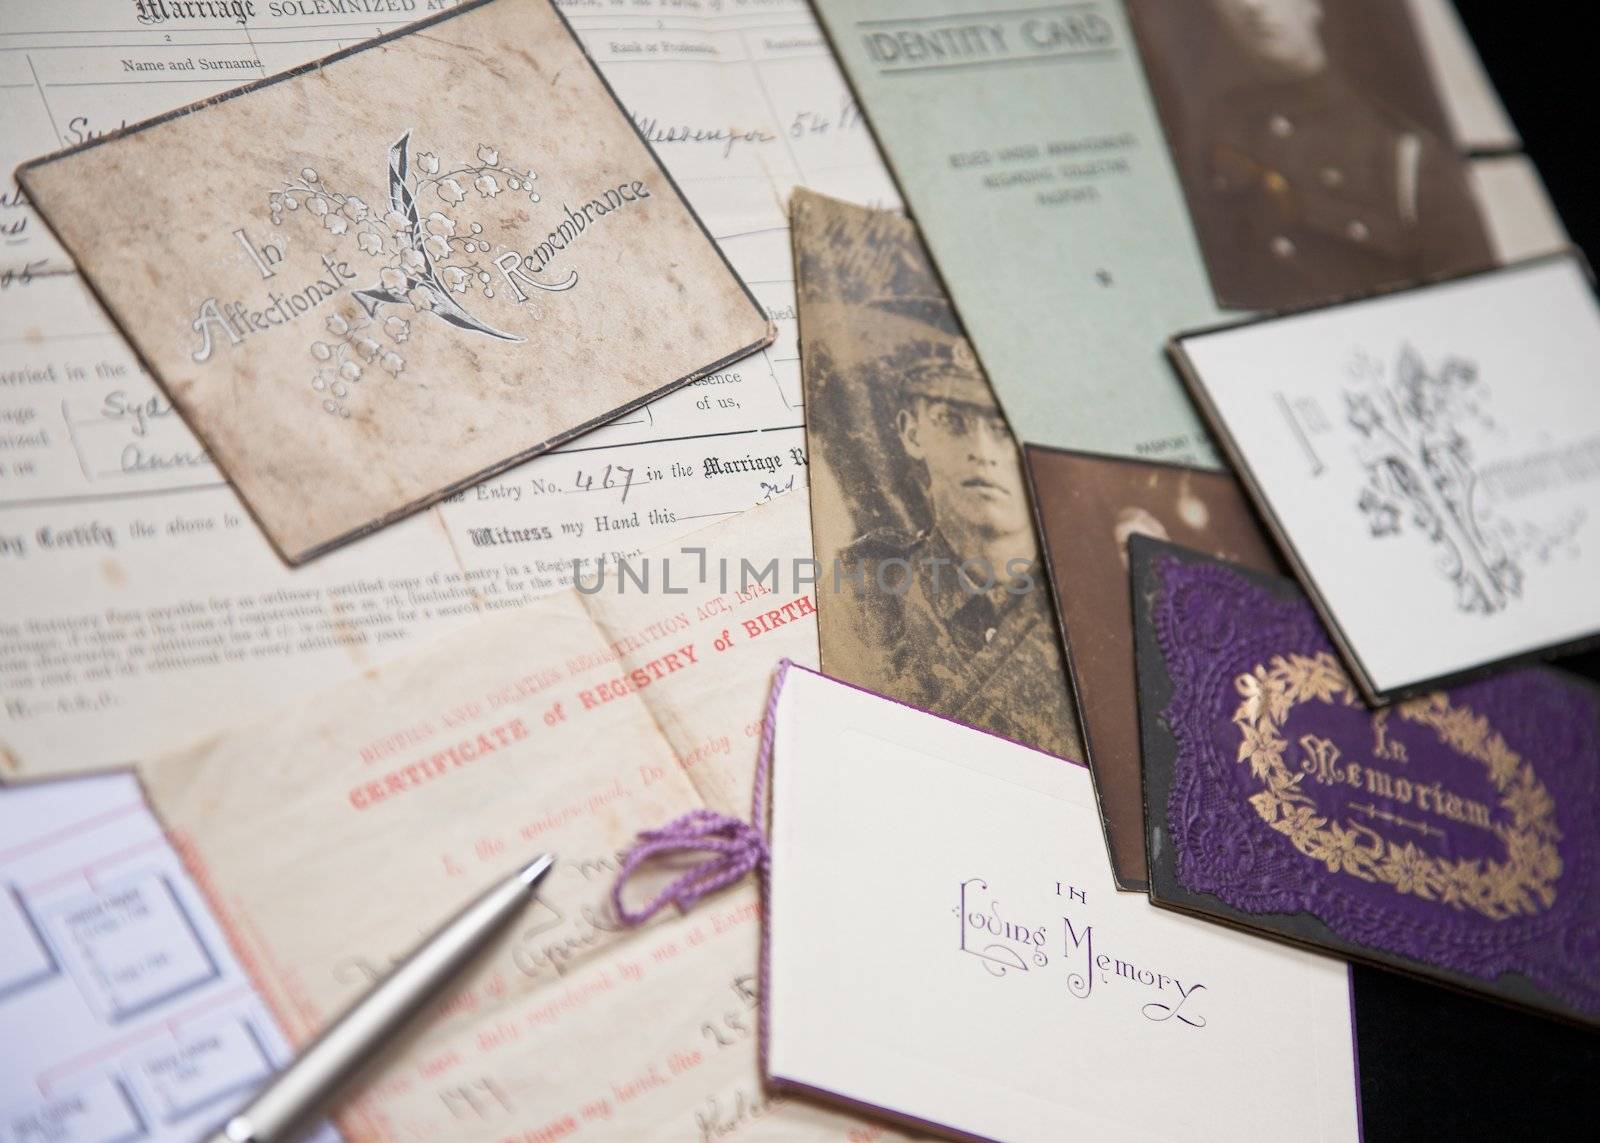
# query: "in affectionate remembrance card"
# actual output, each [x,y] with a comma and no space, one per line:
[982,975]
[1452,835]
[1430,462]
[930,589]
[376,279]
[1088,507]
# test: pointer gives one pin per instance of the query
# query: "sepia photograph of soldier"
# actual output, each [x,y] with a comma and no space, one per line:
[1314,151]
[930,588]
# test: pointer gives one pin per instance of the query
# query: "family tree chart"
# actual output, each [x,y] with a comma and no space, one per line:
[138,1021]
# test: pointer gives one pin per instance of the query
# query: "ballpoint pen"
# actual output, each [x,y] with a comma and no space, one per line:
[298,1092]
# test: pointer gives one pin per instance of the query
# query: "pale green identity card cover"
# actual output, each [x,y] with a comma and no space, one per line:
[1028,147]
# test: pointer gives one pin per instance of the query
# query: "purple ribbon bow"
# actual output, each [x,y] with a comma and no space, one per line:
[735,847]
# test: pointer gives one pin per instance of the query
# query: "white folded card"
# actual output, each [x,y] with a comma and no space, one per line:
[946,946]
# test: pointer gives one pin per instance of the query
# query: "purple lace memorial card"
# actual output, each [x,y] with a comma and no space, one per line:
[1452,835]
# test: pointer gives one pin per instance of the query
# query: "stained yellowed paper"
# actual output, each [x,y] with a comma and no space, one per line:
[333,836]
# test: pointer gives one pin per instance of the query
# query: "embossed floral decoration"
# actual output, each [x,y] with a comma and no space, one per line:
[1524,883]
[428,257]
[1290,797]
[1420,470]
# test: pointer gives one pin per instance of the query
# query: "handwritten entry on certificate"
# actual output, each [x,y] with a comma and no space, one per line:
[375,810]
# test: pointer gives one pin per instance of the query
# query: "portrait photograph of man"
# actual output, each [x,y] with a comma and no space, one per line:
[1313,148]
[930,588]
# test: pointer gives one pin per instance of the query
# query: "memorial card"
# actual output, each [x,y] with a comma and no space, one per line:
[1450,835]
[982,974]
[1430,462]
[930,587]
[1088,507]
[381,277]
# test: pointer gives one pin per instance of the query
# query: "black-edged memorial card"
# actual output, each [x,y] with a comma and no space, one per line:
[1429,461]
[1452,835]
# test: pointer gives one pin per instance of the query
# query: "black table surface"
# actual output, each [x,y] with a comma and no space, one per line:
[1543,67]
[1434,1064]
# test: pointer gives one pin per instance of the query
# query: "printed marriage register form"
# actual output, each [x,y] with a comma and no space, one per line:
[443,770]
[155,608]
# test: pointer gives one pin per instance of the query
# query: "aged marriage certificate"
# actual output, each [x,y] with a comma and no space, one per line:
[155,606]
[377,808]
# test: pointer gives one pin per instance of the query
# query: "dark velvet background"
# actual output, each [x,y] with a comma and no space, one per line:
[1436,1065]
[1544,70]
[1545,73]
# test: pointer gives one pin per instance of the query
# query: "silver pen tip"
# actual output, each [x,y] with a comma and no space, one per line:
[534,871]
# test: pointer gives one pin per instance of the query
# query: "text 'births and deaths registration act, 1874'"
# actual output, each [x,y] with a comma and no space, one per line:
[155,607]
[568,727]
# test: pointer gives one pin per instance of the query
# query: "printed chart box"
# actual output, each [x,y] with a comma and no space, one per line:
[203,1068]
[103,1112]
[131,945]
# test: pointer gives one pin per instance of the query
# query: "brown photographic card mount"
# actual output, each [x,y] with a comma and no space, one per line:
[386,275]
[1088,507]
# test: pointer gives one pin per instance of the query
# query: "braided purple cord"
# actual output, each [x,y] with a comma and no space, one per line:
[735,847]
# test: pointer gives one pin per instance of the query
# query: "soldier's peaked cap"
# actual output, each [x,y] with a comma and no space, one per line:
[939,368]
